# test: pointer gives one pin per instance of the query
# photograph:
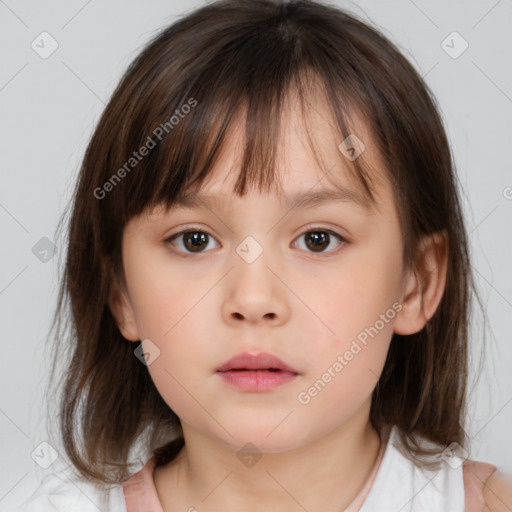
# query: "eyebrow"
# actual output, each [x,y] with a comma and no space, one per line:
[308,199]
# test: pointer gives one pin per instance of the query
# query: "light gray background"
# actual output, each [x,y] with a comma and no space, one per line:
[50,107]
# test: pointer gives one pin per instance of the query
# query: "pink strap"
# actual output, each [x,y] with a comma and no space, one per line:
[476,475]
[140,492]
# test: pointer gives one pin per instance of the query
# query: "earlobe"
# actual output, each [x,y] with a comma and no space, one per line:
[424,286]
[123,313]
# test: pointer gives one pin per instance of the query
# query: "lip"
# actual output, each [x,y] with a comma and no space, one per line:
[261,361]
[256,373]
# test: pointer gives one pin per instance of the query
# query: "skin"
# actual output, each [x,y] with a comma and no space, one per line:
[305,307]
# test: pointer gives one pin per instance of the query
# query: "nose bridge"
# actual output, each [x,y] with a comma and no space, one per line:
[255,292]
[252,261]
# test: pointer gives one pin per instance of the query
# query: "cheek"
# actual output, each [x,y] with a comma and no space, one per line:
[359,309]
[186,363]
[364,288]
[159,295]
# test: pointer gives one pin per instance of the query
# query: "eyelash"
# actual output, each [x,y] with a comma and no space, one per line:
[309,229]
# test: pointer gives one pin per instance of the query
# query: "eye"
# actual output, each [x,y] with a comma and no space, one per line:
[317,240]
[193,240]
[197,241]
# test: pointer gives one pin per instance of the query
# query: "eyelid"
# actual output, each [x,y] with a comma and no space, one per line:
[184,229]
[316,227]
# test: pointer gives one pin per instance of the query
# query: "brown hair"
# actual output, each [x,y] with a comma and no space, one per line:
[222,59]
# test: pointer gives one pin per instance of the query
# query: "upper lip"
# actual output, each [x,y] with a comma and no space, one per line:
[261,361]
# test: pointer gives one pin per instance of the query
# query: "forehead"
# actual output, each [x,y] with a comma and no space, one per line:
[313,161]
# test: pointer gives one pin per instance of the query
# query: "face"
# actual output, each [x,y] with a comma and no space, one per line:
[317,286]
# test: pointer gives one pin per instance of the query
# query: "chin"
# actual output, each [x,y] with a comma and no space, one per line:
[279,441]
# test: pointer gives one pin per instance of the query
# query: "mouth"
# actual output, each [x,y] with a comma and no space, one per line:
[256,373]
[262,362]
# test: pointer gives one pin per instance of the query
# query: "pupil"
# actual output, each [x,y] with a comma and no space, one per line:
[197,238]
[315,237]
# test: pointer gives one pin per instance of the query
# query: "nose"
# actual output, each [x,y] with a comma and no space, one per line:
[255,294]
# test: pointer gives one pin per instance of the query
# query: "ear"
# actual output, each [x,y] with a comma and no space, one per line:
[122,311]
[424,285]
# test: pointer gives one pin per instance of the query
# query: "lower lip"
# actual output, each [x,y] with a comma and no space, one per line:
[256,380]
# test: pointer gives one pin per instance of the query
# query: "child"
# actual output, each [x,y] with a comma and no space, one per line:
[269,280]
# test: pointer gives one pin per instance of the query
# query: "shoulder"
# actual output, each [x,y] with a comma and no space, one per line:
[498,492]
[487,489]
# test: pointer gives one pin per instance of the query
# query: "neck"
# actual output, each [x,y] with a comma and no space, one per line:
[326,474]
